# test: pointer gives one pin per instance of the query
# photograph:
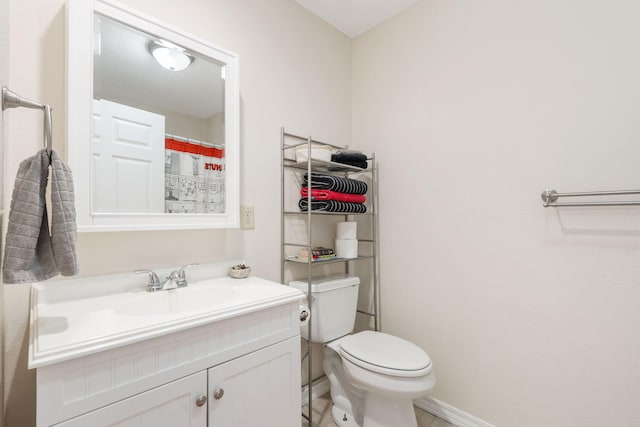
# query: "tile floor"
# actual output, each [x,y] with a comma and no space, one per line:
[322,415]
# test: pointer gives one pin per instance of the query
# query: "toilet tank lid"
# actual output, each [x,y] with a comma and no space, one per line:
[326,283]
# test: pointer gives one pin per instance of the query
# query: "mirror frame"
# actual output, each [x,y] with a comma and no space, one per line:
[79,61]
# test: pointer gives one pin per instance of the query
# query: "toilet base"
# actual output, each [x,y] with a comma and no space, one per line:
[400,413]
[380,411]
[343,419]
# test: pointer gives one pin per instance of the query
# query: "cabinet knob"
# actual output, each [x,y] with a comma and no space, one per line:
[201,400]
[218,394]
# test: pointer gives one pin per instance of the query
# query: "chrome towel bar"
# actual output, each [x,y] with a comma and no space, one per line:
[550,197]
[13,100]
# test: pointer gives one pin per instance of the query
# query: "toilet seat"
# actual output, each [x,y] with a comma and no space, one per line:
[385,354]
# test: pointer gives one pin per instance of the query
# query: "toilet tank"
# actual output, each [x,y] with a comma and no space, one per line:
[333,306]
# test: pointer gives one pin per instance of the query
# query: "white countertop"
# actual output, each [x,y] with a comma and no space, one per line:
[77,317]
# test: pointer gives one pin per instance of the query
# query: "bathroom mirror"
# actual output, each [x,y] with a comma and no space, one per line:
[152,123]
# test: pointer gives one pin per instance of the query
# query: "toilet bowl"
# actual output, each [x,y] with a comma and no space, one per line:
[379,375]
[373,376]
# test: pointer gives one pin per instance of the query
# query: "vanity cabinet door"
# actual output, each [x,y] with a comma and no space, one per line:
[259,389]
[171,405]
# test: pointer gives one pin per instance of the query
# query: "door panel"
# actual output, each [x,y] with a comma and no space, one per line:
[170,405]
[260,389]
[128,159]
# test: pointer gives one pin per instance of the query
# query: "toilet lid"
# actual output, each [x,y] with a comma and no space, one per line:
[386,354]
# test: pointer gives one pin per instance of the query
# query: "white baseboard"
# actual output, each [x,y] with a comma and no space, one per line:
[320,387]
[440,409]
[448,413]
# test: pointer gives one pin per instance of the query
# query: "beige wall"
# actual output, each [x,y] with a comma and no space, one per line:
[183,125]
[474,108]
[295,71]
[215,128]
[4,76]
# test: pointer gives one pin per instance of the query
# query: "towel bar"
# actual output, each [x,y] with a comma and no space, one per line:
[550,197]
[13,100]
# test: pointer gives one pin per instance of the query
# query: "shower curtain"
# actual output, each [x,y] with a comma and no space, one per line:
[194,177]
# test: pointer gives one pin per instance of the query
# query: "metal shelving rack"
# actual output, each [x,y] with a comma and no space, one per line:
[290,142]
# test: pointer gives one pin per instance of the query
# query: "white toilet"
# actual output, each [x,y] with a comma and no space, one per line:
[374,376]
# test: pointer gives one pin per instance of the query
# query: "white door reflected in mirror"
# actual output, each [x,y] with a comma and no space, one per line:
[128,148]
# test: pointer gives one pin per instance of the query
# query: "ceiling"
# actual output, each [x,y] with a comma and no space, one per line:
[354,17]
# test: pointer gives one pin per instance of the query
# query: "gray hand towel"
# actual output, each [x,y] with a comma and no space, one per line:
[30,255]
[63,217]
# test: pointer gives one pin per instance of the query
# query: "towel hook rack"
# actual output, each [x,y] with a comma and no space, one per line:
[550,197]
[11,99]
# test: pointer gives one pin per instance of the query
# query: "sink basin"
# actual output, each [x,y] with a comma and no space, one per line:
[189,299]
[75,317]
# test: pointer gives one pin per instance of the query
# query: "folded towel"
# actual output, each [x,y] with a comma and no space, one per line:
[352,158]
[30,255]
[332,206]
[335,183]
[332,195]
[63,217]
[361,165]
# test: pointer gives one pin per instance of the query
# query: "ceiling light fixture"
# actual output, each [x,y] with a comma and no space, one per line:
[169,55]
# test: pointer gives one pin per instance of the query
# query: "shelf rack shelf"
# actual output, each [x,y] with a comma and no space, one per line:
[328,213]
[328,261]
[289,142]
[322,166]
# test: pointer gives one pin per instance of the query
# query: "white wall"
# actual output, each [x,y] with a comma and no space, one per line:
[4,76]
[473,108]
[36,70]
[295,71]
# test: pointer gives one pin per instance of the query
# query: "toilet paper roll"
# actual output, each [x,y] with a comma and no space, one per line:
[304,314]
[346,230]
[346,248]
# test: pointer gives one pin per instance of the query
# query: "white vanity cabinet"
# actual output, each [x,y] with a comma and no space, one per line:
[168,405]
[257,389]
[237,364]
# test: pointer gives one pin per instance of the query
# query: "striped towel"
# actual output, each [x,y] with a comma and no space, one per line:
[332,206]
[332,195]
[323,181]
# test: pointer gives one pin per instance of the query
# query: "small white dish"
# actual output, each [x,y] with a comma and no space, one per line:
[239,271]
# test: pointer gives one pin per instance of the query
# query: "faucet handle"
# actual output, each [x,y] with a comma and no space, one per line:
[154,283]
[181,280]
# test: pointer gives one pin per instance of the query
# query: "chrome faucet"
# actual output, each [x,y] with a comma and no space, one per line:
[177,279]
[154,283]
